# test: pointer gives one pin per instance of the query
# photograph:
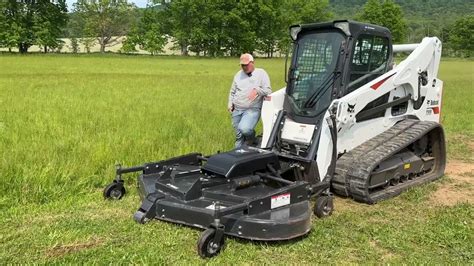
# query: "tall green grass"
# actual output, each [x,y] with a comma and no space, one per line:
[66,120]
[458,108]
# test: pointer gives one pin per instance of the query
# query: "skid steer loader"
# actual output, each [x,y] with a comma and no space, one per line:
[349,122]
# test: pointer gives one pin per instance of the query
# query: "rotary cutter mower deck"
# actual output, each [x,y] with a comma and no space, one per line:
[348,122]
[239,193]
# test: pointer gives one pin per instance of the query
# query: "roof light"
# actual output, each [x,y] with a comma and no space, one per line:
[344,26]
[294,30]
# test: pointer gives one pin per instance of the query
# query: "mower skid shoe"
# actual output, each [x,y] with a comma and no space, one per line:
[147,210]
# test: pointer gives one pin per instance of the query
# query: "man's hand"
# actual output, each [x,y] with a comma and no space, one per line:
[231,109]
[253,94]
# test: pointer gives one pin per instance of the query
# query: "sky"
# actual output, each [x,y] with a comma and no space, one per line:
[139,3]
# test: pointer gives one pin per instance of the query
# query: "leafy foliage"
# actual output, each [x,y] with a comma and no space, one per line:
[385,13]
[219,27]
[105,20]
[148,33]
[461,35]
[423,18]
[28,22]
[48,23]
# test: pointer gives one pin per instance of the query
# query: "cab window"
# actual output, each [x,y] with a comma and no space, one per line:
[369,60]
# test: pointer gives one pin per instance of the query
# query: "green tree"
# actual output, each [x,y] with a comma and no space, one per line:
[49,23]
[88,42]
[75,31]
[130,42]
[217,24]
[385,13]
[213,27]
[220,27]
[24,23]
[185,17]
[105,20]
[9,32]
[19,21]
[301,12]
[270,28]
[74,45]
[461,35]
[148,32]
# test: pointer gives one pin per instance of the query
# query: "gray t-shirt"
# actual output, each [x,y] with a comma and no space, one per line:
[243,84]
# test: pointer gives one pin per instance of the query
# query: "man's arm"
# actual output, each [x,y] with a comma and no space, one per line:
[265,88]
[233,88]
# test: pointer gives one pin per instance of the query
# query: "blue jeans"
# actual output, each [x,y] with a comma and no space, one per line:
[244,122]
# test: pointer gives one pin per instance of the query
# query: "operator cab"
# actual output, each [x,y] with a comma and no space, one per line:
[329,61]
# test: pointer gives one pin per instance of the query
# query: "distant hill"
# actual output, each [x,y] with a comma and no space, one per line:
[430,10]
[424,17]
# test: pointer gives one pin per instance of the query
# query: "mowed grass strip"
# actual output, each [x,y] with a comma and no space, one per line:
[66,120]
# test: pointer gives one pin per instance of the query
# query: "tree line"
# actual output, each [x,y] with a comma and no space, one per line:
[202,27]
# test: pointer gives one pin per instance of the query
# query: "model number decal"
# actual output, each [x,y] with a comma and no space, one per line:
[280,200]
[432,102]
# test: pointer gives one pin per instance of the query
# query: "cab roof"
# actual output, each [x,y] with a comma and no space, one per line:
[349,27]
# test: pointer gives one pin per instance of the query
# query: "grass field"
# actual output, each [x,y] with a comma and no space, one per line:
[65,121]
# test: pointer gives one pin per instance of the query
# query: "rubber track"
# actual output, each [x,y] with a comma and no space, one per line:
[353,169]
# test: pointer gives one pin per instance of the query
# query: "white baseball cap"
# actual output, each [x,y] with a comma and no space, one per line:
[245,59]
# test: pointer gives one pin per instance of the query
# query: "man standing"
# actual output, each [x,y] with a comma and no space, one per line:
[249,87]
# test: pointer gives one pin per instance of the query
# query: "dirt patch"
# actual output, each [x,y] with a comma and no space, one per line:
[61,250]
[459,168]
[471,145]
[459,185]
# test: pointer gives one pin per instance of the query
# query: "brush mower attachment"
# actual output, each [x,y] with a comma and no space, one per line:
[238,193]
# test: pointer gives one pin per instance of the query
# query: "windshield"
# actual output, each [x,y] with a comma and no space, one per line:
[313,69]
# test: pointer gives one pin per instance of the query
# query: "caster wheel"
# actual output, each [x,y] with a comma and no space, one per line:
[140,218]
[114,191]
[206,246]
[324,206]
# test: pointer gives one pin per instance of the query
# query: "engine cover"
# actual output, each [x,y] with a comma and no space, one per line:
[241,161]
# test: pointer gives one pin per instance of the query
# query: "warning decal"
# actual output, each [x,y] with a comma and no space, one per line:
[280,200]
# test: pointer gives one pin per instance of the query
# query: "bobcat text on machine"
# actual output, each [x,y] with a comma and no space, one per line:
[348,122]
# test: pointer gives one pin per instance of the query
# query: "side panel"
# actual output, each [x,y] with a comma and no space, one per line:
[271,105]
[324,154]
[404,79]
[431,108]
